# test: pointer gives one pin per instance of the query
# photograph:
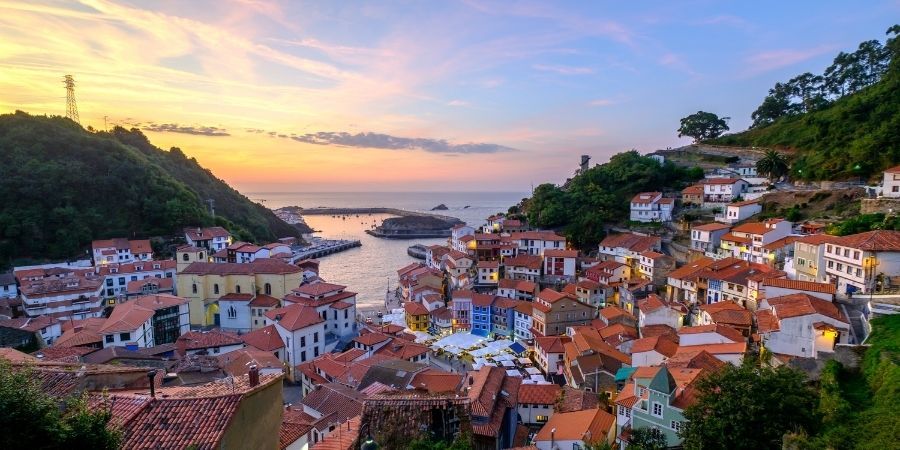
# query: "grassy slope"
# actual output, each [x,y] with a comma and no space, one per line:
[859,129]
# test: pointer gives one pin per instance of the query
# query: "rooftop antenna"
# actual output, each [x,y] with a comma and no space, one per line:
[71,106]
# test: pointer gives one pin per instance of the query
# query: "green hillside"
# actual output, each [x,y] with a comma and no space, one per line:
[843,124]
[63,186]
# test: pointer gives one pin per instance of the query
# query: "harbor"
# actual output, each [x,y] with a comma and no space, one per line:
[324,247]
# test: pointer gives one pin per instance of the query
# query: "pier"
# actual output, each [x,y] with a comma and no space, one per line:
[416,251]
[377,210]
[323,248]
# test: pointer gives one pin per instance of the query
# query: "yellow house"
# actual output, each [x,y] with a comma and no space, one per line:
[204,282]
[416,316]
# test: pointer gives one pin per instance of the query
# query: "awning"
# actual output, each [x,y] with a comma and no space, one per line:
[517,348]
[483,333]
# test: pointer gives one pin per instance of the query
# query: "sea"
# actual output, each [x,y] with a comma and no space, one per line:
[371,269]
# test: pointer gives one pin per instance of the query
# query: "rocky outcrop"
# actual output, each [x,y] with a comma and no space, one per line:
[441,207]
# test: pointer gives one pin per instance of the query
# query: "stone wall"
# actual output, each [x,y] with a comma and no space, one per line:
[879,205]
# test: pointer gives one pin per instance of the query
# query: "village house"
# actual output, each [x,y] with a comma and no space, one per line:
[265,339]
[212,239]
[503,317]
[494,402]
[302,330]
[692,195]
[801,325]
[61,292]
[589,292]
[726,313]
[559,264]
[535,242]
[859,262]
[118,276]
[523,322]
[417,316]
[746,241]
[334,304]
[653,350]
[121,250]
[809,257]
[488,274]
[432,301]
[626,248]
[536,402]
[517,289]
[654,266]
[481,314]
[212,342]
[440,321]
[331,406]
[574,429]
[25,331]
[462,310]
[733,213]
[203,283]
[417,280]
[654,310]
[550,353]
[457,233]
[493,224]
[655,397]
[682,284]
[8,287]
[778,287]
[555,311]
[890,186]
[608,272]
[651,207]
[146,322]
[590,362]
[522,267]
[149,286]
[720,191]
[436,256]
[705,239]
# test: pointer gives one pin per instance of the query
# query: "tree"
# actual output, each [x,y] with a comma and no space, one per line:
[772,164]
[702,126]
[748,407]
[646,439]
[39,422]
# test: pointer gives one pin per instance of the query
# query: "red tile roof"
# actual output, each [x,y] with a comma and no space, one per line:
[630,241]
[797,285]
[317,289]
[205,233]
[541,394]
[266,338]
[264,301]
[577,425]
[370,339]
[196,340]
[876,241]
[665,345]
[724,330]
[721,180]
[560,253]
[796,305]
[295,317]
[132,314]
[294,425]
[714,226]
[551,344]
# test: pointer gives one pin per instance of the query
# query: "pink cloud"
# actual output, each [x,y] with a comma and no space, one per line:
[775,59]
[563,70]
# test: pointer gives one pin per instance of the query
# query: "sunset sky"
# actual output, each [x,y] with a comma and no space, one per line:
[413,96]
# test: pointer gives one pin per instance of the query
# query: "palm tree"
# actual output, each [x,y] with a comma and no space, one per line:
[772,164]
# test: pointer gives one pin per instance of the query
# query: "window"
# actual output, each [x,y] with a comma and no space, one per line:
[828,249]
[124,336]
[676,425]
[216,288]
[316,352]
[194,288]
[200,255]
[541,418]
[657,409]
[346,313]
[303,356]
[303,341]
[316,337]
[232,313]
[185,257]
[830,264]
[237,289]
[110,338]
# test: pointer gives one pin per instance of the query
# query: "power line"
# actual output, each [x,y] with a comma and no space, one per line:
[71,105]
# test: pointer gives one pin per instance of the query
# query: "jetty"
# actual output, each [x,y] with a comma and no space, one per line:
[325,211]
[323,248]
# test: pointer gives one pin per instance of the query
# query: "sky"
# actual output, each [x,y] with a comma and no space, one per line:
[414,95]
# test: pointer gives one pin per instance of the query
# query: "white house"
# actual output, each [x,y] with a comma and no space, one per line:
[801,325]
[890,187]
[523,324]
[742,170]
[536,402]
[627,247]
[739,211]
[651,207]
[118,275]
[234,312]
[653,310]
[746,241]
[8,287]
[779,287]
[303,331]
[709,334]
[121,250]
[456,237]
[855,263]
[560,263]
[717,191]
[61,292]
[653,350]
[211,238]
[488,273]
[535,242]
[47,328]
[522,267]
[570,430]
[334,304]
[706,238]
[147,321]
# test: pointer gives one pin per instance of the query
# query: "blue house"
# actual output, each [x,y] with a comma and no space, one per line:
[481,314]
[503,319]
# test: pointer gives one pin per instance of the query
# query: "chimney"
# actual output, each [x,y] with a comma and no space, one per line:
[151,374]
[254,375]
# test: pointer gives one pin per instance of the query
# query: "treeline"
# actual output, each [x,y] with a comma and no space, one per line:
[585,206]
[63,187]
[848,74]
[843,124]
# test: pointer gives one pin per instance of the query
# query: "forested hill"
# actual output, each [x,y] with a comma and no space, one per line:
[62,186]
[591,201]
[842,124]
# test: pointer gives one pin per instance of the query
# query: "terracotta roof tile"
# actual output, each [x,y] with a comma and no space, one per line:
[266,338]
[542,394]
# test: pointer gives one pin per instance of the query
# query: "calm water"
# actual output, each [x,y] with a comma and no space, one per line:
[370,268]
